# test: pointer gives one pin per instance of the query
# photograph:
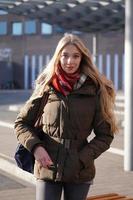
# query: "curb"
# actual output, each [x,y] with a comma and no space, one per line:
[8,165]
[15,108]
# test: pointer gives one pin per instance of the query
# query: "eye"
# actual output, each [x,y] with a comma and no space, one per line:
[76,56]
[64,55]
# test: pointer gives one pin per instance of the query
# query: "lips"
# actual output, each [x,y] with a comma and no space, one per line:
[70,67]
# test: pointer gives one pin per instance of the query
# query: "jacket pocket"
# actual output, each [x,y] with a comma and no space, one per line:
[71,167]
[87,173]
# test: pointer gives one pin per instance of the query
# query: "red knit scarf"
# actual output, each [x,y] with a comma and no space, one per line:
[64,82]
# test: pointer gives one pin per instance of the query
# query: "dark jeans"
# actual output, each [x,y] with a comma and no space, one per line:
[53,190]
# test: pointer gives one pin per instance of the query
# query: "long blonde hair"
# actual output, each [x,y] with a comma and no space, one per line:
[107,93]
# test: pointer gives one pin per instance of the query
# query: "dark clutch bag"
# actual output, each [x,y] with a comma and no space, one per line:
[24,159]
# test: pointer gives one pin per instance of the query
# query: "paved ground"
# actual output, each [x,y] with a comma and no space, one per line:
[14,184]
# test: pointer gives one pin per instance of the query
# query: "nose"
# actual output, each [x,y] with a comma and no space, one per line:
[70,60]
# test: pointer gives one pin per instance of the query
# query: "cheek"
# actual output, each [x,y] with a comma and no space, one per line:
[62,61]
[78,62]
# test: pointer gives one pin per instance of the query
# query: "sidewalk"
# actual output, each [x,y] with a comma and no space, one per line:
[110,176]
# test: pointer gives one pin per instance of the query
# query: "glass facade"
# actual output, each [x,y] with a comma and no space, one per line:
[17,28]
[3,12]
[30,27]
[46,29]
[3,28]
[58,29]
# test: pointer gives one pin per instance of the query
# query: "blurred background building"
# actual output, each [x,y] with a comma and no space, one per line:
[27,41]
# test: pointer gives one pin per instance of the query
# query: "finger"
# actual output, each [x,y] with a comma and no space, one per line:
[48,162]
[41,162]
[48,159]
[44,164]
[45,161]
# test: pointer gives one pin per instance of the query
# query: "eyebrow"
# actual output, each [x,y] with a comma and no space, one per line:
[76,53]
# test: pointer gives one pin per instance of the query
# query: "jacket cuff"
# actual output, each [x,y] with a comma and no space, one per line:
[32,143]
[35,146]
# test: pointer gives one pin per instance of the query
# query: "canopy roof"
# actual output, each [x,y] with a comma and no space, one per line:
[79,15]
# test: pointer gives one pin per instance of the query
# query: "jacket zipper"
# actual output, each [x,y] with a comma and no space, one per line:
[60,170]
[67,106]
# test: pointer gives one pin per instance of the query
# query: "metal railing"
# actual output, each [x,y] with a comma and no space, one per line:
[110,65]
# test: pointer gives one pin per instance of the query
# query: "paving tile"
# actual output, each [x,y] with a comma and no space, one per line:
[7,183]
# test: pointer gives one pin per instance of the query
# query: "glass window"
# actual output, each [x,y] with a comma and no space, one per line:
[3,12]
[30,27]
[59,29]
[46,29]
[77,32]
[17,28]
[3,28]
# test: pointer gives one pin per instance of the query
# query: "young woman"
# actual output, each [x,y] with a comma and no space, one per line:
[80,101]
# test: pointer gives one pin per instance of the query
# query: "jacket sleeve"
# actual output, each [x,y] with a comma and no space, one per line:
[102,137]
[24,124]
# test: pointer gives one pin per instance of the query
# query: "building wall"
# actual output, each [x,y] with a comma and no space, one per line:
[37,44]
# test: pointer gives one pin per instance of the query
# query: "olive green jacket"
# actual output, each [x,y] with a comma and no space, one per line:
[67,123]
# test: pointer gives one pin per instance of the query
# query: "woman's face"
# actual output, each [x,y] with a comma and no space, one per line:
[70,58]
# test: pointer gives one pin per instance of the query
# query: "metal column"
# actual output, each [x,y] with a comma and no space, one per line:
[94,47]
[128,133]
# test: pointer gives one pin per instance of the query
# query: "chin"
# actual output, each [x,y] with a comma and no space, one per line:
[70,72]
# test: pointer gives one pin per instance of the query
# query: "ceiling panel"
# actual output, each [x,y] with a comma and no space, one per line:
[79,15]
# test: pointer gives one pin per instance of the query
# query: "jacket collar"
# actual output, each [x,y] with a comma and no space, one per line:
[88,88]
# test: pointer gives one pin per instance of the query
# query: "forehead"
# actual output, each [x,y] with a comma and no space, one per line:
[71,48]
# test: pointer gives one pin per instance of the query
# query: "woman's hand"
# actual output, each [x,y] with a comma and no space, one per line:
[42,157]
